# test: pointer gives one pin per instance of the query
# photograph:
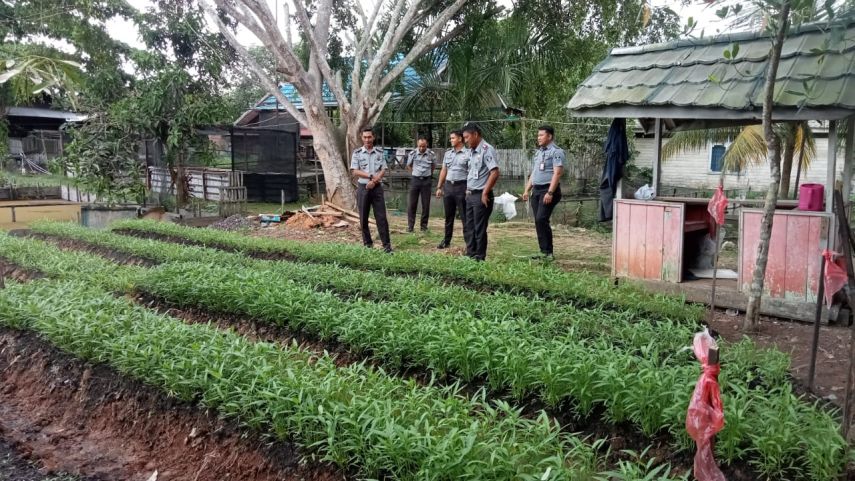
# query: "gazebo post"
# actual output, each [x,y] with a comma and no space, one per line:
[847,160]
[657,159]
[832,166]
[831,175]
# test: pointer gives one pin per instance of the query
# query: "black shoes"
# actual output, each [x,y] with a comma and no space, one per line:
[443,245]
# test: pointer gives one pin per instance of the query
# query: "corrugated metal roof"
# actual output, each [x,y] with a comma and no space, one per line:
[269,102]
[691,78]
[43,113]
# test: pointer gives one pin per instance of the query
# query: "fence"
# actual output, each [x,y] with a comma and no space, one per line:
[202,183]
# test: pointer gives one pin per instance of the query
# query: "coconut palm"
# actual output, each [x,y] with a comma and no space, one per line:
[747,146]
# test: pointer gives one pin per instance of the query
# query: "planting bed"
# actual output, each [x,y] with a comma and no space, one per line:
[594,366]
[580,288]
[86,419]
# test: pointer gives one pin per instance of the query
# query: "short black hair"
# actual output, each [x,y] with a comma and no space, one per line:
[472,127]
[458,133]
[548,129]
[368,129]
[422,137]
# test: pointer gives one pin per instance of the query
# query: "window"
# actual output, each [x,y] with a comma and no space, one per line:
[716,156]
[717,159]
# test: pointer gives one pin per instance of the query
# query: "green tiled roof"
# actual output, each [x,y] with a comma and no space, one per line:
[691,78]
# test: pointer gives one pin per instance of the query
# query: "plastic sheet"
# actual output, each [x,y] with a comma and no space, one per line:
[645,192]
[835,275]
[705,417]
[507,200]
[717,205]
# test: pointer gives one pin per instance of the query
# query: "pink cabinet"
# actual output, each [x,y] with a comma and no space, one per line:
[648,237]
[797,241]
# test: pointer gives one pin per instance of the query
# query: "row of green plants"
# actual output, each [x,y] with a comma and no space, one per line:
[580,288]
[355,416]
[767,424]
[419,295]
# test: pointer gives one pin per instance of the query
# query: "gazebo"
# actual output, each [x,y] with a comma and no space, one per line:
[690,84]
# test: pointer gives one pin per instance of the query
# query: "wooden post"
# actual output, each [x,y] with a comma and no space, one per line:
[657,158]
[204,186]
[815,343]
[831,173]
[718,230]
[282,194]
[846,233]
[847,161]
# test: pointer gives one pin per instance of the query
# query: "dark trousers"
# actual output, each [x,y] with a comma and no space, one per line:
[420,187]
[477,216]
[365,200]
[542,213]
[454,201]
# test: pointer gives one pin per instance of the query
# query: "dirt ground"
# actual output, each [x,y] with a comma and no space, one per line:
[795,339]
[575,248]
[73,417]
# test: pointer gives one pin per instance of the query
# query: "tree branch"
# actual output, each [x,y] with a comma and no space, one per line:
[286,59]
[359,52]
[287,12]
[377,64]
[423,44]
[319,52]
[256,69]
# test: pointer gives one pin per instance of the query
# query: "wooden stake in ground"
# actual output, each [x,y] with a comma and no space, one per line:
[716,209]
[820,294]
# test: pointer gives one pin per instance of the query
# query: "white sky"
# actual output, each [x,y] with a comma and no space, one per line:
[705,16]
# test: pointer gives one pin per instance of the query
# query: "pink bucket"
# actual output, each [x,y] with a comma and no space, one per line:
[811,197]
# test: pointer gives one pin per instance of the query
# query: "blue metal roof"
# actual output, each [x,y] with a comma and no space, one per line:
[269,102]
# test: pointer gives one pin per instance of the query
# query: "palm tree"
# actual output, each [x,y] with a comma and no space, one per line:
[747,146]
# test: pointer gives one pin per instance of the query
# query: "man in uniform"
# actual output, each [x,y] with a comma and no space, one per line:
[544,186]
[482,176]
[369,167]
[420,163]
[452,188]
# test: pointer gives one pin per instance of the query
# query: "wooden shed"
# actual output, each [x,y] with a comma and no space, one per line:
[689,84]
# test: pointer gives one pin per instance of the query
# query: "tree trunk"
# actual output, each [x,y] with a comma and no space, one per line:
[334,162]
[787,161]
[773,155]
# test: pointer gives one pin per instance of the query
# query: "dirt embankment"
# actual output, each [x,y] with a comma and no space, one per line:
[66,415]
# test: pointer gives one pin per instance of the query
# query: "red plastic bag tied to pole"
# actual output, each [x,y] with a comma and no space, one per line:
[705,417]
[835,275]
[717,205]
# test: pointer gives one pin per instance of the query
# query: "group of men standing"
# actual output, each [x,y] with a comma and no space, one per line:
[467,177]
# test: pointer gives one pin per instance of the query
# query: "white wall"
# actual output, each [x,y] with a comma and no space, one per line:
[692,169]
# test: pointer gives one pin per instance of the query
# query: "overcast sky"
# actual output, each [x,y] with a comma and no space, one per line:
[126,31]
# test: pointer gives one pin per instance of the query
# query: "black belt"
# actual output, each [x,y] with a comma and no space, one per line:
[541,187]
[421,177]
[455,182]
[474,191]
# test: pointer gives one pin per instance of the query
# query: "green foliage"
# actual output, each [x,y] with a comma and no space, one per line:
[355,416]
[28,75]
[533,58]
[102,157]
[583,288]
[635,368]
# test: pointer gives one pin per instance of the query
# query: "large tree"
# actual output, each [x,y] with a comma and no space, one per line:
[383,43]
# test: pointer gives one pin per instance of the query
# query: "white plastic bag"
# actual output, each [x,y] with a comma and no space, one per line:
[645,192]
[507,200]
